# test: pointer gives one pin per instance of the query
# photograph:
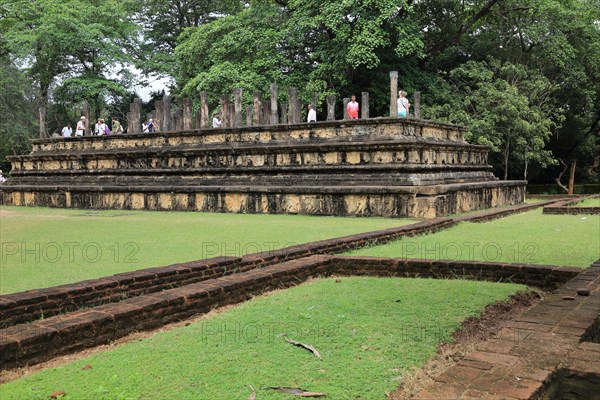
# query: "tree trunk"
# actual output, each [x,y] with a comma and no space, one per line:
[525,172]
[572,177]
[558,179]
[506,154]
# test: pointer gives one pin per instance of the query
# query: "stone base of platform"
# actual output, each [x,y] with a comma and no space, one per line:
[376,201]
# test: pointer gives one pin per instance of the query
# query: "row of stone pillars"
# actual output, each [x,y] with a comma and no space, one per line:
[260,112]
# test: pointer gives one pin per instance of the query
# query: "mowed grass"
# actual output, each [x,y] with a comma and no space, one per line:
[593,202]
[43,247]
[531,237]
[369,331]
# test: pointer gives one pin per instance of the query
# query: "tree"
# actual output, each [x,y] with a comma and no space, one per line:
[321,47]
[505,106]
[17,107]
[164,20]
[561,39]
[80,46]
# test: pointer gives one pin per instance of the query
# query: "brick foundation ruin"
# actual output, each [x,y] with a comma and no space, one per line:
[386,167]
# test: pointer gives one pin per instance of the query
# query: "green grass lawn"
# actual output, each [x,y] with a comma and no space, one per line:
[524,238]
[594,202]
[43,247]
[369,331]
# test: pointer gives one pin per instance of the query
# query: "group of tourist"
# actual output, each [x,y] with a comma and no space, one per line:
[402,105]
[352,108]
[101,128]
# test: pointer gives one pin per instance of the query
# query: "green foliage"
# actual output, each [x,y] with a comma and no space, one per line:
[235,52]
[321,47]
[163,21]
[17,111]
[77,46]
[523,75]
[504,105]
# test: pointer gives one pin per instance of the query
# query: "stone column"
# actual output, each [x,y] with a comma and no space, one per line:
[294,106]
[257,108]
[237,101]
[204,114]
[393,93]
[231,115]
[330,107]
[364,105]
[248,115]
[266,112]
[136,111]
[85,112]
[274,111]
[166,124]
[129,122]
[174,121]
[224,111]
[346,101]
[187,115]
[159,116]
[417,105]
[197,119]
[284,114]
[180,120]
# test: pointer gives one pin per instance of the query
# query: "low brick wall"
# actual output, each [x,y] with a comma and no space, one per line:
[545,277]
[489,215]
[41,340]
[31,305]
[567,207]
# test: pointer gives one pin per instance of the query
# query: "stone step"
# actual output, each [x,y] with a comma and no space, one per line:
[276,154]
[370,128]
[263,176]
[366,199]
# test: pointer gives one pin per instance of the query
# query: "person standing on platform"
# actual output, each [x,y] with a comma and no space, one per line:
[150,125]
[403,104]
[101,128]
[352,108]
[216,121]
[116,126]
[81,126]
[67,131]
[312,114]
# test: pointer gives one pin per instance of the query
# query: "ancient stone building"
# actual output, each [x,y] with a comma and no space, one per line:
[385,167]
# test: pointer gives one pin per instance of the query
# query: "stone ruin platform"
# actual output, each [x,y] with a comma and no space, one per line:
[386,167]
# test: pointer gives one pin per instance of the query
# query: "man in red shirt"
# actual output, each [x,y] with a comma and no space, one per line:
[352,108]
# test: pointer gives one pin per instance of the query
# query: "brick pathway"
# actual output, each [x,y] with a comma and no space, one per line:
[544,353]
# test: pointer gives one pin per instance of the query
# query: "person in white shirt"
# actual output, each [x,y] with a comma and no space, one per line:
[100,128]
[81,124]
[216,121]
[403,104]
[67,131]
[312,114]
